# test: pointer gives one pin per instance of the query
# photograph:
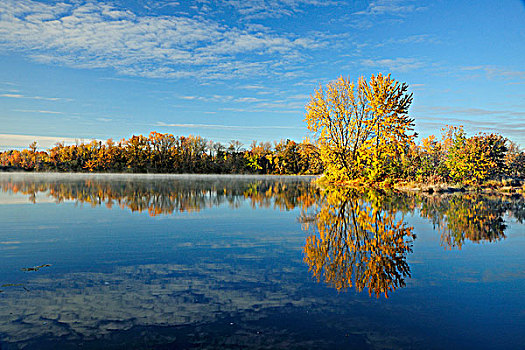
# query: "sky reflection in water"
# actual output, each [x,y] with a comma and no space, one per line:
[235,262]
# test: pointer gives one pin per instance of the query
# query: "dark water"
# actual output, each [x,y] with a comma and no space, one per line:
[250,262]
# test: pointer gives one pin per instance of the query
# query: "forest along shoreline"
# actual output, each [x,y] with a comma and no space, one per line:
[362,137]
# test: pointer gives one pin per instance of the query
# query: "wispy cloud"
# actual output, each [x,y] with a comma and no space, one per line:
[9,141]
[98,35]
[248,99]
[378,10]
[509,123]
[246,9]
[253,87]
[515,130]
[469,111]
[390,7]
[253,9]
[259,89]
[294,104]
[36,111]
[35,97]
[497,72]
[160,4]
[394,64]
[409,40]
[213,98]
[221,126]
[222,98]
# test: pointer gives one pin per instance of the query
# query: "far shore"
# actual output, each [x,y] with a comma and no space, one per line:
[502,187]
[69,175]
[514,187]
[438,189]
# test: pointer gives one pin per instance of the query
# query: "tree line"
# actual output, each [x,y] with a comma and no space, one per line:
[166,153]
[363,135]
[454,157]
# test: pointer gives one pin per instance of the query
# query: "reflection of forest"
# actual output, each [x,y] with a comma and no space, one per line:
[360,240]
[165,196]
[458,217]
[356,240]
[472,217]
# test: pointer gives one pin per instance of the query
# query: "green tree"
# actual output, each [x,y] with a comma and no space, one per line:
[471,160]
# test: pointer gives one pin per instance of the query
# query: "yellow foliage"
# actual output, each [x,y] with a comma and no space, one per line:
[362,128]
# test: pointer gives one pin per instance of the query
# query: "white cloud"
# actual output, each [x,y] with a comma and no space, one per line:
[253,87]
[248,99]
[222,98]
[221,126]
[408,40]
[10,141]
[470,111]
[515,130]
[390,7]
[214,98]
[510,123]
[378,11]
[97,35]
[35,97]
[396,64]
[497,72]
[36,111]
[253,9]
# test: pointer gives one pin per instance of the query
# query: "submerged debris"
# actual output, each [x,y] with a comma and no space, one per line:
[36,268]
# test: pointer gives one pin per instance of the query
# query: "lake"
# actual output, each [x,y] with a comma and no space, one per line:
[160,262]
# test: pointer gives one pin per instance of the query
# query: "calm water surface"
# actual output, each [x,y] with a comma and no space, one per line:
[159,262]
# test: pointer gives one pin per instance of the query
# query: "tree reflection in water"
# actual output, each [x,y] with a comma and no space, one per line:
[357,243]
[471,217]
[359,239]
[169,195]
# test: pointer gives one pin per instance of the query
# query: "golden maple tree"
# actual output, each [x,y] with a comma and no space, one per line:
[362,129]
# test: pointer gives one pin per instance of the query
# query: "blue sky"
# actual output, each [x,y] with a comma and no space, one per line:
[244,69]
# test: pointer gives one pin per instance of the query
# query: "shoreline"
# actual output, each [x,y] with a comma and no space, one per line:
[127,176]
[516,188]
[437,189]
[511,188]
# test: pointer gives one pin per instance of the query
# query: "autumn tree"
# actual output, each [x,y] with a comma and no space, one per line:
[286,157]
[363,129]
[309,158]
[514,160]
[163,150]
[137,153]
[472,160]
[259,156]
